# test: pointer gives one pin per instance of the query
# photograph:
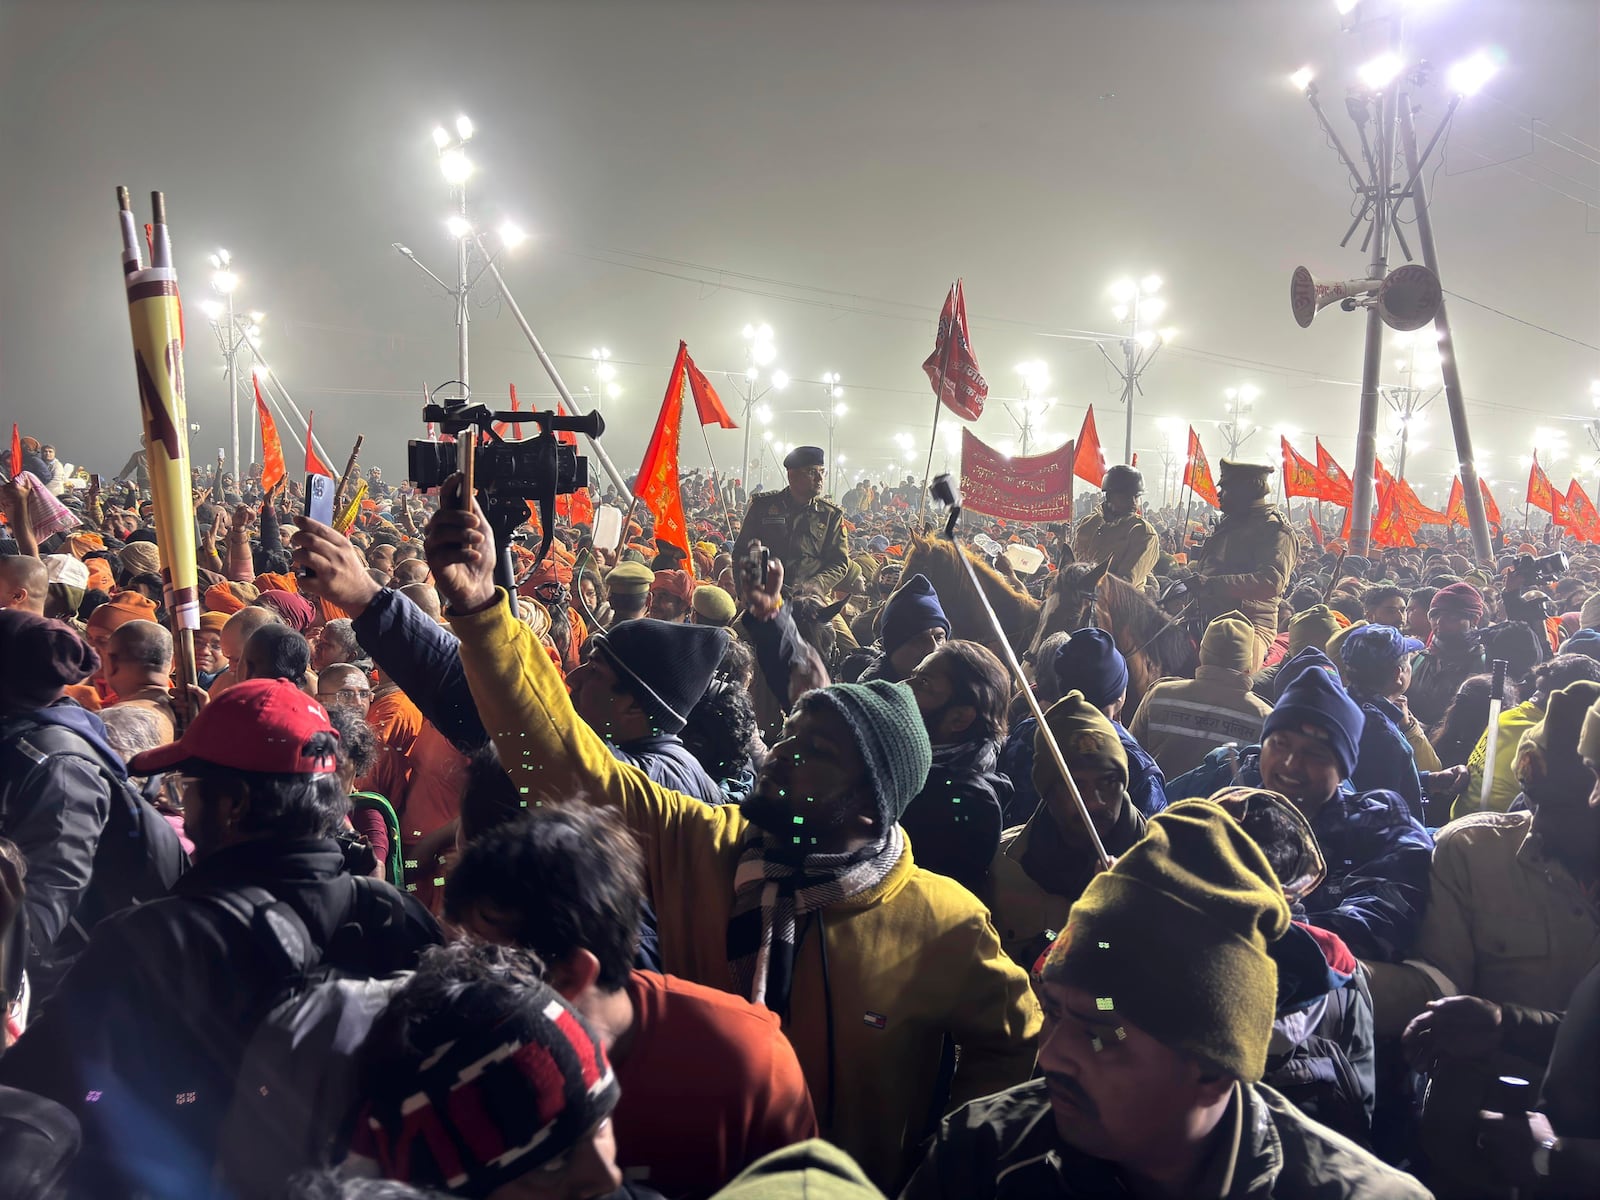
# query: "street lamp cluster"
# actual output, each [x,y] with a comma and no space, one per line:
[234,332]
[1137,305]
[1239,428]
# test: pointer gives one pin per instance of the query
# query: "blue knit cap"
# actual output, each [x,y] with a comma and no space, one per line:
[887,728]
[913,608]
[1291,668]
[1314,703]
[1376,647]
[1090,662]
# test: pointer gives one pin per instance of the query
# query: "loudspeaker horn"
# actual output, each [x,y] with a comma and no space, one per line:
[1406,299]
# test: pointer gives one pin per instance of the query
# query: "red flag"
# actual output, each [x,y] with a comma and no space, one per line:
[1300,477]
[1414,510]
[272,468]
[1089,464]
[16,450]
[1490,508]
[1540,494]
[1585,520]
[500,427]
[1389,527]
[1197,472]
[952,368]
[1316,532]
[657,486]
[1560,510]
[708,405]
[314,464]
[1455,508]
[1336,484]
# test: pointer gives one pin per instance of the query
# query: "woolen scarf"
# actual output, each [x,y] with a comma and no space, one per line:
[770,895]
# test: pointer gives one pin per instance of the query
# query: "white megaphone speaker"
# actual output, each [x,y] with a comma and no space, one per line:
[1407,299]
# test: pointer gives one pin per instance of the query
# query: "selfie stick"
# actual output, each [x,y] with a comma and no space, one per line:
[944,491]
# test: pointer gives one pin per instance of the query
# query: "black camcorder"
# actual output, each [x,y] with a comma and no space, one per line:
[507,476]
[1543,569]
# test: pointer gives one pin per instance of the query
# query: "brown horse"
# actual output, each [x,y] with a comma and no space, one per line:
[1083,594]
[935,557]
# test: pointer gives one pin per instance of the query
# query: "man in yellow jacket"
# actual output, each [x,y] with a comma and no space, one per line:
[806,898]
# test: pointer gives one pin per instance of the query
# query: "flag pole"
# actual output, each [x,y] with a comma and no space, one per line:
[727,520]
[938,401]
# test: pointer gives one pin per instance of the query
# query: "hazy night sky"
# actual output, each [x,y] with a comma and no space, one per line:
[687,167]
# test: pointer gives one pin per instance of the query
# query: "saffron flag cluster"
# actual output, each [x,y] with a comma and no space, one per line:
[1571,510]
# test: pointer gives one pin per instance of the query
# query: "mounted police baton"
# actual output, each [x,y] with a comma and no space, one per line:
[944,491]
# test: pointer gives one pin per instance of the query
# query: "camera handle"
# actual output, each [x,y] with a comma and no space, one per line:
[504,514]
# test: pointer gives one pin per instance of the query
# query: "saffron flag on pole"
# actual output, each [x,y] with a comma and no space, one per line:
[16,450]
[314,463]
[708,405]
[1389,527]
[1414,510]
[1089,462]
[1336,484]
[1300,476]
[577,507]
[1560,510]
[272,468]
[1490,508]
[1455,509]
[657,485]
[1540,494]
[952,368]
[1585,520]
[1197,472]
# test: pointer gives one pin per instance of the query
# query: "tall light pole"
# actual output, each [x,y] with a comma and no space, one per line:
[1238,428]
[759,353]
[233,332]
[605,376]
[1420,389]
[1173,448]
[833,408]
[1033,405]
[1136,305]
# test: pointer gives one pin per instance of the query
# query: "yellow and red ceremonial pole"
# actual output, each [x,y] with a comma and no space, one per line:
[156,319]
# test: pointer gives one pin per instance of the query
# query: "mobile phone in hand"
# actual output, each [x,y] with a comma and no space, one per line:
[319,498]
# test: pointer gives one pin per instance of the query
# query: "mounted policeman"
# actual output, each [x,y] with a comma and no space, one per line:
[1115,533]
[802,529]
[1246,563]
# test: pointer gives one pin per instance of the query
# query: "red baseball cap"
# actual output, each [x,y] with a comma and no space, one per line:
[258,725]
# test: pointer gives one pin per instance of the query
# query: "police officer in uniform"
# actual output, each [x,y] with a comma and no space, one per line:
[801,529]
[1246,563]
[1116,532]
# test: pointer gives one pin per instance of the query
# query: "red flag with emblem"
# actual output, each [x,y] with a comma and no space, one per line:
[1540,494]
[1490,508]
[1335,483]
[1300,476]
[1455,508]
[657,485]
[1585,520]
[272,468]
[1560,510]
[314,463]
[1414,510]
[1197,472]
[952,368]
[1389,527]
[1088,462]
[708,405]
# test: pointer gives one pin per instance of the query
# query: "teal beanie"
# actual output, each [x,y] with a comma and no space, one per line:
[887,728]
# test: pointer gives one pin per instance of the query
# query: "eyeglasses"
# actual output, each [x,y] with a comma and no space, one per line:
[348,695]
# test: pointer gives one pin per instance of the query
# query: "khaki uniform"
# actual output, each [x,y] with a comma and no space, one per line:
[807,538]
[1129,543]
[1246,565]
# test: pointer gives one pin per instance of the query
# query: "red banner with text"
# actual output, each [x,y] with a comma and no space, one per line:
[1036,488]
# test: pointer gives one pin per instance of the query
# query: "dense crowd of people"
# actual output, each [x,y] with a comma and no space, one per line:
[746,868]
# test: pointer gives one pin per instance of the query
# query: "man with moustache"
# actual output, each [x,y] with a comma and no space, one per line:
[1159,999]
[799,526]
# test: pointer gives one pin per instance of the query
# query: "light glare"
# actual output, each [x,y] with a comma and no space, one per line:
[1124,290]
[455,166]
[512,235]
[780,380]
[1302,78]
[441,137]
[458,225]
[1381,71]
[213,309]
[224,281]
[1470,74]
[464,126]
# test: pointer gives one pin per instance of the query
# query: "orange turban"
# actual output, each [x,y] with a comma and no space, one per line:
[122,608]
[100,575]
[271,581]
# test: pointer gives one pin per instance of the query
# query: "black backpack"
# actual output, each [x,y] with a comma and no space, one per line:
[138,857]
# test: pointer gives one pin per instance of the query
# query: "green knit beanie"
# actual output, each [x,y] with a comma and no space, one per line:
[1311,628]
[1087,740]
[887,728]
[1174,938]
[1230,642]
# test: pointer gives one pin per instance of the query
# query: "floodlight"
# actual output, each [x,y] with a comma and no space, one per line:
[1470,74]
[764,413]
[464,127]
[1379,72]
[763,353]
[1119,311]
[750,373]
[780,380]
[748,332]
[840,409]
[1345,6]
[441,137]
[606,372]
[455,166]
[224,281]
[766,435]
[1249,392]
[1124,290]
[512,235]
[1153,307]
[458,225]
[261,370]
[213,310]
[764,333]
[613,390]
[1150,285]
[1302,78]
[1170,333]
[1145,338]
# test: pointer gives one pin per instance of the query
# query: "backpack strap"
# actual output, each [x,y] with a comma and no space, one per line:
[274,924]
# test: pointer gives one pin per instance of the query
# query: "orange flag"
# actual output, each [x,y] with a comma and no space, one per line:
[500,427]
[16,450]
[1299,475]
[1560,510]
[1455,509]
[1197,472]
[1490,508]
[1414,510]
[314,464]
[272,468]
[1336,484]
[657,486]
[1089,464]
[1585,520]
[708,405]
[1540,494]
[578,507]
[1389,527]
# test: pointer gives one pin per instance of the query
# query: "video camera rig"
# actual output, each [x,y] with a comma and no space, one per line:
[507,476]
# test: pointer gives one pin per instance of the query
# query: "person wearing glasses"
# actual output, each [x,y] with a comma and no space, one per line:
[799,526]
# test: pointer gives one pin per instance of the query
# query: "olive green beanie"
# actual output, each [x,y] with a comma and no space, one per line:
[1175,939]
[1087,739]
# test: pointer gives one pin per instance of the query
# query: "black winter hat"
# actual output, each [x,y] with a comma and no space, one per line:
[666,666]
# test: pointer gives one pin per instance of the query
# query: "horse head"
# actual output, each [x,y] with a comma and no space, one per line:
[814,619]
[1071,602]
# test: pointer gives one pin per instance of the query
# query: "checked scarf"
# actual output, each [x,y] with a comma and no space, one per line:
[770,896]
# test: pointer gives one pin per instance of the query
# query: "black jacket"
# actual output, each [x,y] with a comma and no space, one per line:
[147,1032]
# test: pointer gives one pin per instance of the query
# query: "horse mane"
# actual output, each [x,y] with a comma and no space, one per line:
[935,557]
